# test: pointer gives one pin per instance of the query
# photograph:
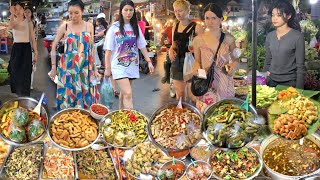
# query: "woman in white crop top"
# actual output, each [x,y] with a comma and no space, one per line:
[20,65]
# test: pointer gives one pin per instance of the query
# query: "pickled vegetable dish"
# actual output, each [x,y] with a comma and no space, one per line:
[239,164]
[172,172]
[94,164]
[96,108]
[24,163]
[3,151]
[200,172]
[290,158]
[125,128]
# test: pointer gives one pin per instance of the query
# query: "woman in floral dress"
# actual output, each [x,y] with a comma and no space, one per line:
[76,69]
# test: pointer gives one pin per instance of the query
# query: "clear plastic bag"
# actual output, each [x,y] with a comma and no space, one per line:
[35,129]
[218,134]
[237,137]
[106,93]
[20,117]
[16,133]
[131,139]
[187,66]
[119,139]
[109,134]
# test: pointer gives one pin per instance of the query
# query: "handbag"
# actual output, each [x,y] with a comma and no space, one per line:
[60,45]
[200,86]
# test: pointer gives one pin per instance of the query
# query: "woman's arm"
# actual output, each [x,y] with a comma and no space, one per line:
[267,62]
[107,62]
[12,22]
[300,55]
[197,56]
[34,42]
[235,60]
[172,52]
[60,33]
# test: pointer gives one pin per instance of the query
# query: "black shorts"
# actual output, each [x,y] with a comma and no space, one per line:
[177,69]
[130,79]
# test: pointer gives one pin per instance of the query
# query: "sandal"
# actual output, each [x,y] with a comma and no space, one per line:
[116,93]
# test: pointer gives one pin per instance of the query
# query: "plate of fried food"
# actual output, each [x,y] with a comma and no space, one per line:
[294,115]
[73,129]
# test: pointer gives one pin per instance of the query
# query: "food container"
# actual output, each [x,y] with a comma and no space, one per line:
[172,105]
[82,176]
[275,175]
[228,132]
[98,115]
[27,103]
[4,152]
[53,150]
[199,163]
[13,148]
[254,175]
[201,150]
[58,114]
[124,134]
[167,165]
[153,159]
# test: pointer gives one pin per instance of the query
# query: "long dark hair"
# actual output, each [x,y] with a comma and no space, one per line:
[76,3]
[213,8]
[133,20]
[103,22]
[285,7]
[32,17]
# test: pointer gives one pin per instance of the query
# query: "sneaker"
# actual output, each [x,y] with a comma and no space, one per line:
[172,91]
[116,94]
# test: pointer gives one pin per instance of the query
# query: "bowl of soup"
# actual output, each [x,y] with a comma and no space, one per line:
[291,159]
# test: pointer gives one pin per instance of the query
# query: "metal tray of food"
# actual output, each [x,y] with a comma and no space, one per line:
[84,177]
[13,149]
[29,104]
[56,150]
[172,105]
[112,133]
[68,148]
[4,154]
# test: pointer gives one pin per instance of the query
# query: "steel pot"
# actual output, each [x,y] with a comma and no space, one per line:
[275,175]
[171,105]
[28,103]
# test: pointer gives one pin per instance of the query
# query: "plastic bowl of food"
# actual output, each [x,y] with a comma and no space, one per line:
[201,152]
[199,170]
[98,111]
[172,170]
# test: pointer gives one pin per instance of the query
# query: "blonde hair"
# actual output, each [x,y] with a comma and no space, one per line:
[182,3]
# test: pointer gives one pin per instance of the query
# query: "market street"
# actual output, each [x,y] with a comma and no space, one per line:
[145,99]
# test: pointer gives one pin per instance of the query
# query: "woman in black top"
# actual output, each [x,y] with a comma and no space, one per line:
[181,32]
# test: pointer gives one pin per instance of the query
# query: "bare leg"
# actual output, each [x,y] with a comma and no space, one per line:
[180,87]
[125,100]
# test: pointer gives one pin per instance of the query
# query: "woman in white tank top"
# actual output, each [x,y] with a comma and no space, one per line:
[20,65]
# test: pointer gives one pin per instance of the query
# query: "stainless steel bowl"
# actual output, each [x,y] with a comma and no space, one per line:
[165,165]
[28,103]
[275,175]
[209,110]
[102,122]
[83,111]
[255,174]
[199,162]
[171,105]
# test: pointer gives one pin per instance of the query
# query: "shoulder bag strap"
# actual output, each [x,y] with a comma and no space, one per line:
[216,55]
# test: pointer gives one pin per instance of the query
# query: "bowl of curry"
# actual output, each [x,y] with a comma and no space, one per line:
[291,159]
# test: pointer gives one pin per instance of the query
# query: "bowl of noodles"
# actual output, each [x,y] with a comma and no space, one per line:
[19,125]
[73,129]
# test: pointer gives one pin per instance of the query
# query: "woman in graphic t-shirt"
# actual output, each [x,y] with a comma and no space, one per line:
[123,40]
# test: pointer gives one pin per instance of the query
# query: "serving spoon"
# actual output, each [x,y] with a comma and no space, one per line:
[99,147]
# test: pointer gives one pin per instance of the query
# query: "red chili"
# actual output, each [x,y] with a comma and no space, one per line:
[99,109]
